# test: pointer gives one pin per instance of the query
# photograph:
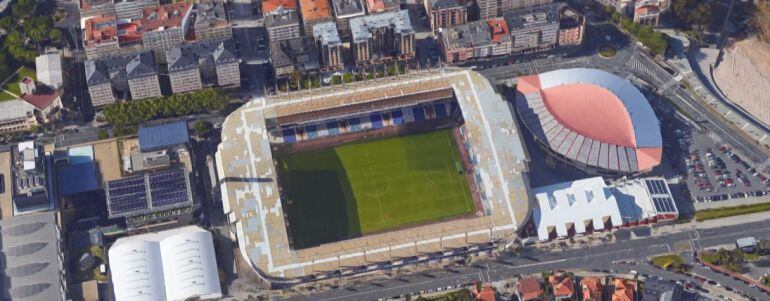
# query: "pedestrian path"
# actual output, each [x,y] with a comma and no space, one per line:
[636,64]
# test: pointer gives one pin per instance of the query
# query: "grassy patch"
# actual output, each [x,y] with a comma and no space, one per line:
[12,85]
[371,186]
[5,96]
[607,51]
[669,262]
[461,295]
[729,259]
[715,213]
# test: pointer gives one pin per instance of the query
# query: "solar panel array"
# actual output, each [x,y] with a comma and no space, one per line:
[152,191]
[126,195]
[169,187]
[661,195]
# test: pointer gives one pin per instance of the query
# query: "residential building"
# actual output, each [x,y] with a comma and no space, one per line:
[312,13]
[268,6]
[495,8]
[132,9]
[533,29]
[446,13]
[302,53]
[34,267]
[100,36]
[49,71]
[592,288]
[466,42]
[211,23]
[29,178]
[92,8]
[382,37]
[378,6]
[625,290]
[563,286]
[572,27]
[329,43]
[344,10]
[280,61]
[133,76]
[529,288]
[282,24]
[501,36]
[16,116]
[165,27]
[193,66]
[45,99]
[130,34]
[647,12]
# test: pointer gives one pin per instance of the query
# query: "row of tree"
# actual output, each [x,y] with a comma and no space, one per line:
[656,41]
[130,113]
[695,13]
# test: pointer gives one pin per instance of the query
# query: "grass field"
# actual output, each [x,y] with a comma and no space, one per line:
[12,84]
[370,186]
[707,214]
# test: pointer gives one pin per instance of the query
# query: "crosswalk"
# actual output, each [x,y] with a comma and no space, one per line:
[637,65]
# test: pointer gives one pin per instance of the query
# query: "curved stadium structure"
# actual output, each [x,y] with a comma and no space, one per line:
[594,120]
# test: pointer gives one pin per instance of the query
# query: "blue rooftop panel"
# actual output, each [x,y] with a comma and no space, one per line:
[162,136]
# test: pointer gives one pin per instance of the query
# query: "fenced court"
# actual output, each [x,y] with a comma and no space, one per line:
[372,186]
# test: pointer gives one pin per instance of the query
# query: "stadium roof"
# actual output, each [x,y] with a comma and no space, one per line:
[252,201]
[177,264]
[592,117]
[162,136]
[30,251]
[571,204]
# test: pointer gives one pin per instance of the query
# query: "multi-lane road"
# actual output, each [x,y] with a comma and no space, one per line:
[531,261]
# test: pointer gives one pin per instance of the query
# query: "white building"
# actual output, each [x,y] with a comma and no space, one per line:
[177,264]
[49,71]
[587,205]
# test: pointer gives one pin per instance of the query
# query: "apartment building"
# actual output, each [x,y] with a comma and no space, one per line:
[312,13]
[100,36]
[282,24]
[467,41]
[344,10]
[501,37]
[165,26]
[495,8]
[133,76]
[446,13]
[378,6]
[45,99]
[572,27]
[297,54]
[625,7]
[92,8]
[132,9]
[16,116]
[29,178]
[194,66]
[382,37]
[329,43]
[533,29]
[647,12]
[211,23]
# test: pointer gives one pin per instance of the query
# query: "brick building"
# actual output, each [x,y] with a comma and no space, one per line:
[446,13]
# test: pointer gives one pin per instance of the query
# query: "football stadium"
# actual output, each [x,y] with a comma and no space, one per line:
[371,175]
[592,120]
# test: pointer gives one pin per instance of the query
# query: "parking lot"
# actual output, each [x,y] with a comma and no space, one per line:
[714,172]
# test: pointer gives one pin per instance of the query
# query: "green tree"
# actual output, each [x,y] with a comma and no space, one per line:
[38,28]
[7,23]
[347,77]
[103,135]
[699,18]
[202,128]
[23,8]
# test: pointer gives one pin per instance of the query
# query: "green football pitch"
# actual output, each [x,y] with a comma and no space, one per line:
[370,186]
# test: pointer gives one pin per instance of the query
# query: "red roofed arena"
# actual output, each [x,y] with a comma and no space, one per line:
[594,120]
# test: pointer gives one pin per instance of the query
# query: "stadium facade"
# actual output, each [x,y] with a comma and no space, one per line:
[591,119]
[252,195]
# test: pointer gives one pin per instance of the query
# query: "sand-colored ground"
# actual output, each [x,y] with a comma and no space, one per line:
[6,192]
[744,77]
[108,160]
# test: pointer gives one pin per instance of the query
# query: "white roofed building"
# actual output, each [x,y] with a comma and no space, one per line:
[583,206]
[177,264]
[49,71]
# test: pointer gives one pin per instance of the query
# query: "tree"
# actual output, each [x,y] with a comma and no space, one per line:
[347,77]
[103,134]
[23,8]
[7,23]
[761,19]
[699,18]
[38,28]
[202,128]
[55,35]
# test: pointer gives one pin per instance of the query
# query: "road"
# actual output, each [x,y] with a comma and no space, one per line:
[534,261]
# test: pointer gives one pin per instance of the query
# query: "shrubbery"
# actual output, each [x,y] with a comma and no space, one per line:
[126,114]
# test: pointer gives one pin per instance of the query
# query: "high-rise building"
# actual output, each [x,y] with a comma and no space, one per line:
[382,37]
[344,10]
[133,76]
[467,41]
[211,23]
[533,29]
[100,36]
[165,27]
[329,43]
[282,24]
[194,66]
[495,8]
[132,9]
[312,13]
[446,13]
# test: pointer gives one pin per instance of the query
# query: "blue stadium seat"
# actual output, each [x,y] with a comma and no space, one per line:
[398,117]
[289,136]
[376,120]
[440,110]
[312,131]
[354,124]
[419,114]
